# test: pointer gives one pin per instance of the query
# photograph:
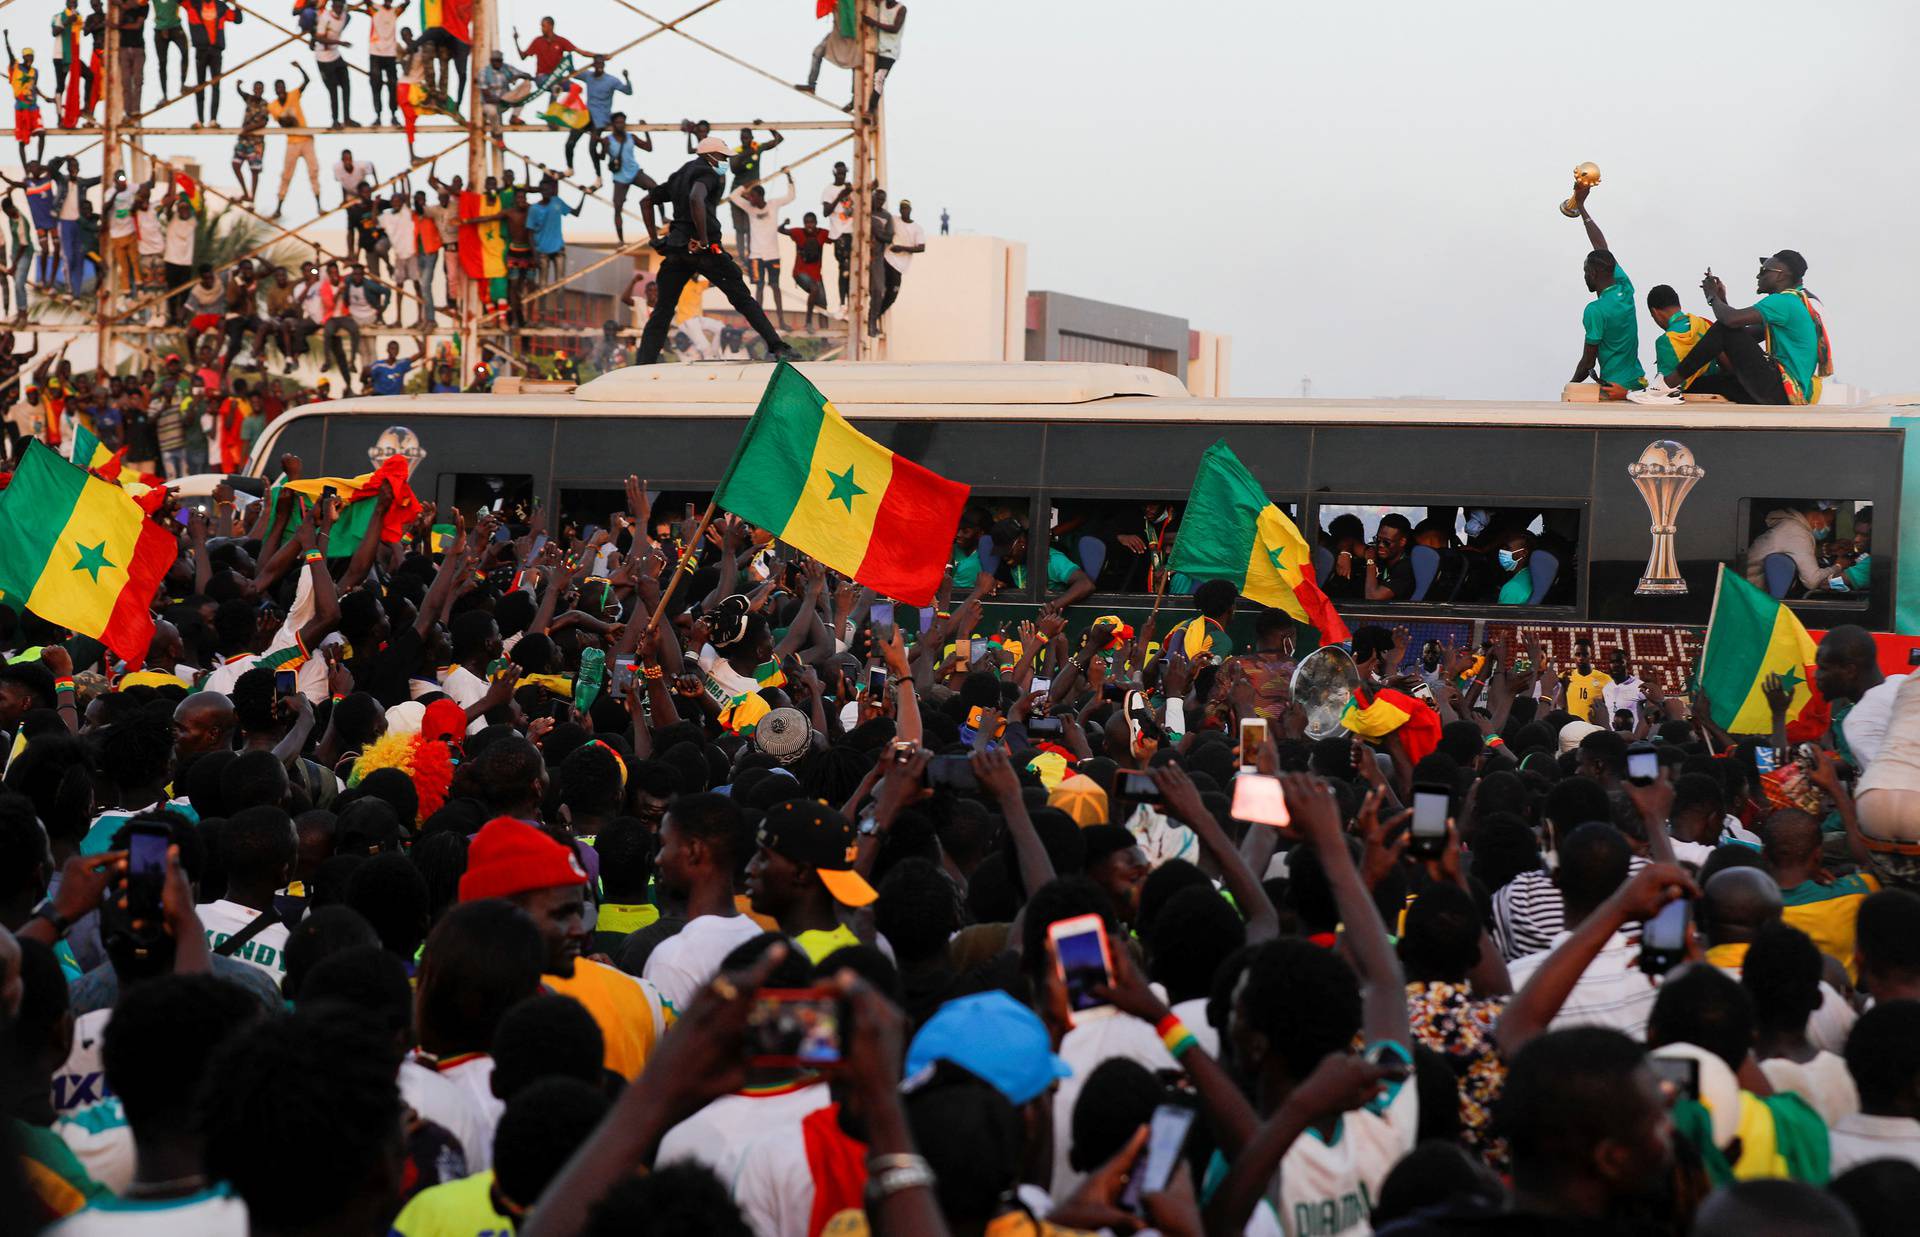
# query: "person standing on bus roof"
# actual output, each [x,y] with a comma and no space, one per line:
[1797,354]
[691,248]
[1613,338]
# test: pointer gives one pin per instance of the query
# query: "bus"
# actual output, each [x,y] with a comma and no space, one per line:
[1104,455]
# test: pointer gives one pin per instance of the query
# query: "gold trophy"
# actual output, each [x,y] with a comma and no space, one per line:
[1586,176]
[1663,474]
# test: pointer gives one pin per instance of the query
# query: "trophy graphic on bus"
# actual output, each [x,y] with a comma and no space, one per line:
[1663,474]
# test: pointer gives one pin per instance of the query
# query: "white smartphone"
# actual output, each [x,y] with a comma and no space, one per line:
[1083,960]
[1253,736]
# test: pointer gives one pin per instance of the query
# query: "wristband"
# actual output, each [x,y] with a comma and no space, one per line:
[1174,1034]
[338,697]
[651,672]
[63,685]
[313,556]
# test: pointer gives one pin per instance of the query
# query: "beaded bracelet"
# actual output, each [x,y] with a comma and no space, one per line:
[1174,1034]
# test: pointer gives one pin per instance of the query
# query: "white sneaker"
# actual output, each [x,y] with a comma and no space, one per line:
[1655,392]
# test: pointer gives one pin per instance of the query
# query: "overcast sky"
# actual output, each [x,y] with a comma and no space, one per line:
[1360,194]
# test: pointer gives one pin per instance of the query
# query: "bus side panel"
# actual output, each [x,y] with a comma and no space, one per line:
[1159,460]
[1464,459]
[1748,472]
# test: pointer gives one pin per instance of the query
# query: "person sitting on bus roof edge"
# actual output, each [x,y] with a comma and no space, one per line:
[1796,356]
[1680,333]
[1612,347]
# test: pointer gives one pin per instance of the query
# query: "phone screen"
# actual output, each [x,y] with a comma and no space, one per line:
[1166,1138]
[1083,965]
[876,681]
[1679,1076]
[951,773]
[1643,766]
[1041,685]
[622,675]
[794,1026]
[562,712]
[1253,733]
[146,866]
[1138,787]
[1430,809]
[1045,726]
[881,615]
[283,682]
[1666,932]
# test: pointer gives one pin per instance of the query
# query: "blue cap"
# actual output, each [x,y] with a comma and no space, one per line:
[995,1037]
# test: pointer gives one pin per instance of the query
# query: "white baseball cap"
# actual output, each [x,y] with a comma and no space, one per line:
[712,146]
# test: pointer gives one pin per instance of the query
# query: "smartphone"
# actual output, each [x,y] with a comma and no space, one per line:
[951,773]
[622,681]
[184,516]
[539,544]
[1663,939]
[977,651]
[1767,759]
[1041,685]
[880,614]
[876,681]
[284,682]
[1679,1076]
[902,752]
[562,712]
[1427,835]
[326,492]
[1137,786]
[790,1027]
[963,649]
[1045,727]
[1643,764]
[1253,736]
[1081,955]
[1393,1067]
[1258,798]
[146,868]
[1166,1141]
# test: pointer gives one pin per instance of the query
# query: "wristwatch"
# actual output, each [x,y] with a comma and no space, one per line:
[61,924]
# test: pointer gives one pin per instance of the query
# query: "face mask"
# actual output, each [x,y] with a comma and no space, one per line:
[1507,561]
[1823,534]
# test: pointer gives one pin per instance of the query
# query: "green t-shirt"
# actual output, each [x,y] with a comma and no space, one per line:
[462,1208]
[1791,338]
[1857,575]
[1060,569]
[966,571]
[1518,589]
[166,14]
[1614,329]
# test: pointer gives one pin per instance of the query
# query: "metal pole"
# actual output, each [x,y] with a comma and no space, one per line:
[107,285]
[862,222]
[471,299]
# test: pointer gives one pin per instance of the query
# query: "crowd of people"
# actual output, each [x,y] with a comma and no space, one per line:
[472,875]
[140,244]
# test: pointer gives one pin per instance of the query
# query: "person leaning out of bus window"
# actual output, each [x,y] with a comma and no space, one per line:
[1063,573]
[1796,532]
[1612,349]
[1389,572]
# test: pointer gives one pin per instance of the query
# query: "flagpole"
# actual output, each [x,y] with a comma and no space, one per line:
[684,566]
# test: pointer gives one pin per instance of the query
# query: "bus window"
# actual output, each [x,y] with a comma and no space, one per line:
[510,494]
[582,507]
[1451,554]
[979,545]
[1123,544]
[1808,549]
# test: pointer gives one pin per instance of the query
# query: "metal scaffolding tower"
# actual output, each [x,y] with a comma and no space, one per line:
[120,314]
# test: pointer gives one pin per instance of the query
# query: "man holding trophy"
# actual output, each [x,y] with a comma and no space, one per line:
[1612,349]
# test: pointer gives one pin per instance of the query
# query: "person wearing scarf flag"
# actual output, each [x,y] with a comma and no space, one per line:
[25,80]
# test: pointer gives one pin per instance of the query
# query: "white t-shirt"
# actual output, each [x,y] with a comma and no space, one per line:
[266,951]
[330,25]
[102,1141]
[1857,1138]
[763,223]
[839,218]
[382,41]
[774,1184]
[718,1135]
[81,1081]
[904,233]
[466,689]
[1330,1187]
[458,1097]
[1611,992]
[1823,1082]
[679,965]
[120,216]
[178,250]
[1866,723]
[209,1213]
[361,173]
[1083,1049]
[153,241]
[398,225]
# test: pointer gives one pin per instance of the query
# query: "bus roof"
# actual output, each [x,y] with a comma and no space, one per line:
[1065,392]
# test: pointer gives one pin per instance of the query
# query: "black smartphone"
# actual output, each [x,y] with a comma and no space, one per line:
[1137,786]
[284,682]
[790,1027]
[1663,939]
[951,773]
[1166,1140]
[1679,1076]
[562,712]
[1045,726]
[1643,764]
[146,868]
[621,681]
[326,492]
[1427,835]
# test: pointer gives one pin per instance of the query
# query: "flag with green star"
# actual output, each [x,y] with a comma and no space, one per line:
[1230,531]
[80,553]
[1750,638]
[804,474]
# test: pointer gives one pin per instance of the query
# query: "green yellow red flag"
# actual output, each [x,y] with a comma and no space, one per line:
[1751,637]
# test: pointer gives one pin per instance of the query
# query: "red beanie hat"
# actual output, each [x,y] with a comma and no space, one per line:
[510,856]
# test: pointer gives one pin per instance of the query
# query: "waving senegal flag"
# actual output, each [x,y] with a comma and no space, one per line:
[1375,715]
[802,473]
[1749,637]
[79,552]
[453,16]
[1231,532]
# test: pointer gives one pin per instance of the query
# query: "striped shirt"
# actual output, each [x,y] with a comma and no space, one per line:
[1527,913]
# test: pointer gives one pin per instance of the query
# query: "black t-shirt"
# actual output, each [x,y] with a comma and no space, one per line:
[137,430]
[1398,577]
[678,190]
